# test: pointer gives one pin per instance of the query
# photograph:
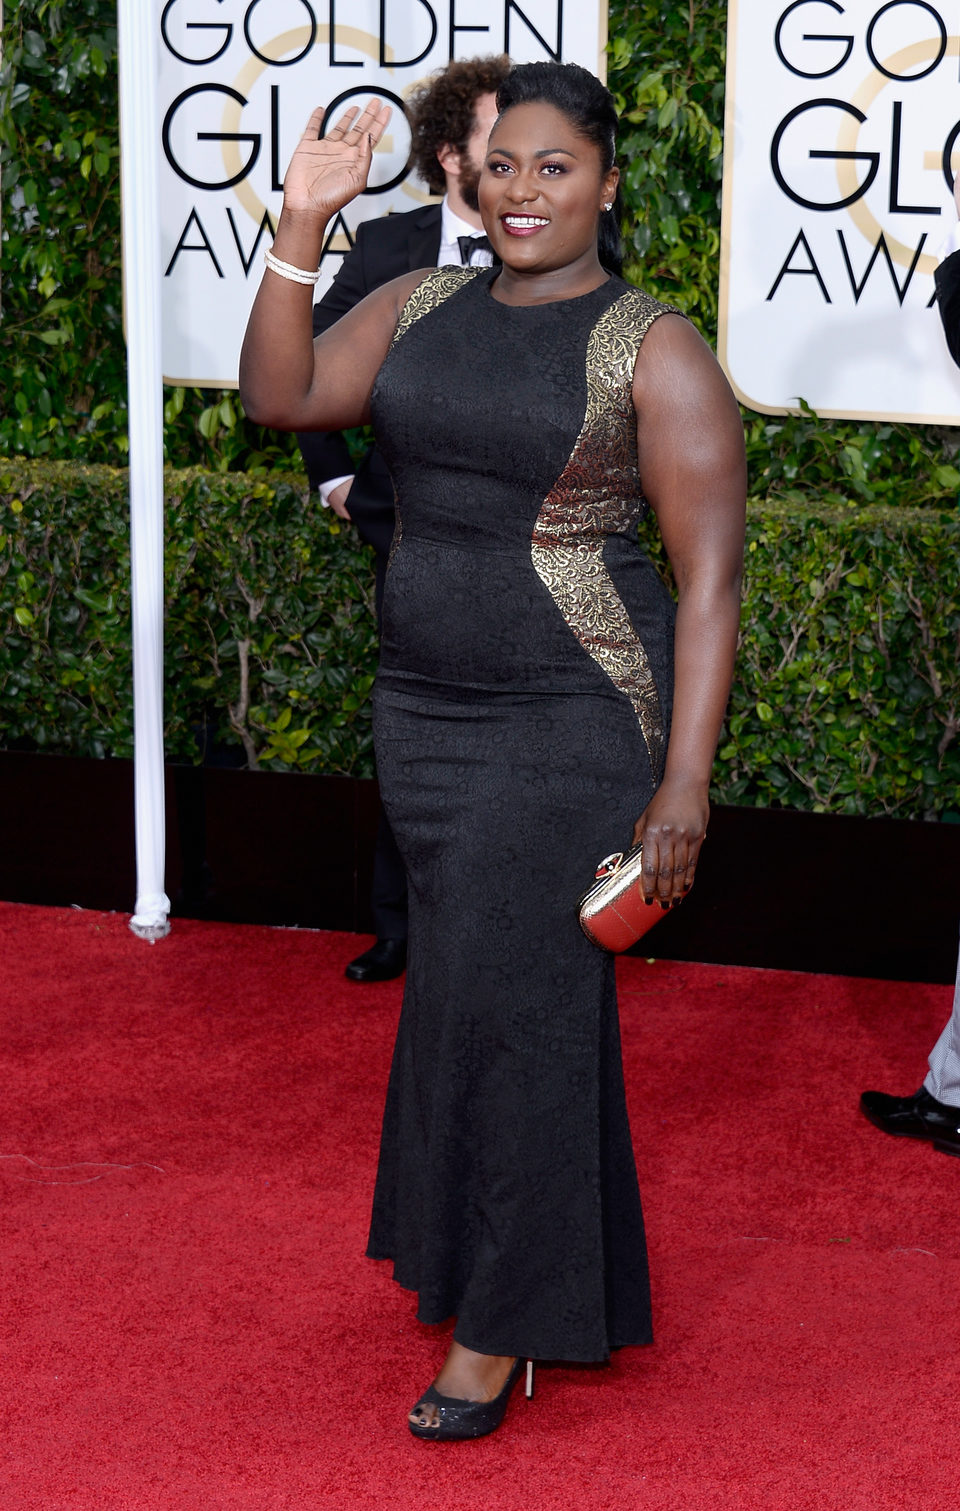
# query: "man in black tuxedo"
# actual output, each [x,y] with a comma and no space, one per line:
[451,116]
[933,1112]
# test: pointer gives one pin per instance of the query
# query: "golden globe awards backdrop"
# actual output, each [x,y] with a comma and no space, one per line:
[842,123]
[238,80]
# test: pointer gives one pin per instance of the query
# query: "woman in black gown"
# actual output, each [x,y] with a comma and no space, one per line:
[536,693]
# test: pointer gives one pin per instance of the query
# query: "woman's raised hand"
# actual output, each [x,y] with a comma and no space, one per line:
[325,173]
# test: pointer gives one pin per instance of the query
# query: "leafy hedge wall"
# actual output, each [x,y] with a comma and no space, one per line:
[270,644]
[847,697]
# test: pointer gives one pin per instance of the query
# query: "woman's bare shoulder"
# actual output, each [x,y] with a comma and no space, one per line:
[407,284]
[674,355]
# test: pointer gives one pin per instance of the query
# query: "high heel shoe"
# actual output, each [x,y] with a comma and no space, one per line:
[458,1419]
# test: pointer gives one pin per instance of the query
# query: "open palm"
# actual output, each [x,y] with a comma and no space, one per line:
[325,173]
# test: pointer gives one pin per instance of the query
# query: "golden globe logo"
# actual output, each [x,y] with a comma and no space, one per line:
[888,90]
[843,123]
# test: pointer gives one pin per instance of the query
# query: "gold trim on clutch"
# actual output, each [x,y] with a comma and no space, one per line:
[613,912]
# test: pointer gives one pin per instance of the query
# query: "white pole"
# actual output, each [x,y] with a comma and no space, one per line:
[137,24]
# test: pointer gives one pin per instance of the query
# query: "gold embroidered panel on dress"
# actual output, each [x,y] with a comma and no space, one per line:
[438,285]
[599,494]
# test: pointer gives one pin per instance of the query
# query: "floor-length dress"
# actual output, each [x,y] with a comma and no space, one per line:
[520,716]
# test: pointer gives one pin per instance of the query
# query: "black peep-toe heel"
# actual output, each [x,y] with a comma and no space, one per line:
[457,1419]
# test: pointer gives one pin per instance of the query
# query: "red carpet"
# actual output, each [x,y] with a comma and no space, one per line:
[188,1141]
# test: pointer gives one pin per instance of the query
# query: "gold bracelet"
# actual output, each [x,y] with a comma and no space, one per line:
[287,270]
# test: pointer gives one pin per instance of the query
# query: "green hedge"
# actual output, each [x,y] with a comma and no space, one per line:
[847,693]
[847,698]
[270,642]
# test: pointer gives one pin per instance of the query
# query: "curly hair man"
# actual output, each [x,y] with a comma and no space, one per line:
[443,118]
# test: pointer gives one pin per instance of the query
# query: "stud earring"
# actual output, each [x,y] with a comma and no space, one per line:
[608,207]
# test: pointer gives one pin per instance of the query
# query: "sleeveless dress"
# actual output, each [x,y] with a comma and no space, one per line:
[521,712]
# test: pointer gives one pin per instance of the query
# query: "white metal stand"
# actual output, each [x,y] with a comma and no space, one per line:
[137,26]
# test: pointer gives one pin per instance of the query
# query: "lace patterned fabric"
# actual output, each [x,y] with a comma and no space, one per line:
[520,714]
[599,494]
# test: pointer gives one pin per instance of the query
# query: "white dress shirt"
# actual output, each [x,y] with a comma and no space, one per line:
[452,226]
[951,244]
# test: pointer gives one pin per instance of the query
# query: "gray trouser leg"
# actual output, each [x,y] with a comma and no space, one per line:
[943,1079]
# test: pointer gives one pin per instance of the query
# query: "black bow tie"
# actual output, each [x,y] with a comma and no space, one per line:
[470,244]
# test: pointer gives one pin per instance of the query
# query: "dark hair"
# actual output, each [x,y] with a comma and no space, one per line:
[443,109]
[588,106]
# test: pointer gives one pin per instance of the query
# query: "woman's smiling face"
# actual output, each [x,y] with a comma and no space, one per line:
[542,190]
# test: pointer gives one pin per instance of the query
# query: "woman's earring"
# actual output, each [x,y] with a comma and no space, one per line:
[608,207]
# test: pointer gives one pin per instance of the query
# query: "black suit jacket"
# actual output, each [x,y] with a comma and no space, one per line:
[384,249]
[947,280]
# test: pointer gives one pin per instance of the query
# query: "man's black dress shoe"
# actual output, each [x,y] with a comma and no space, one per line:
[381,962]
[919,1116]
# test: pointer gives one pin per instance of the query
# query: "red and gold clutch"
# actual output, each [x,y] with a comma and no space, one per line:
[613,913]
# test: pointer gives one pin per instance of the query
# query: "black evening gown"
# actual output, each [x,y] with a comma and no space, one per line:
[520,716]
